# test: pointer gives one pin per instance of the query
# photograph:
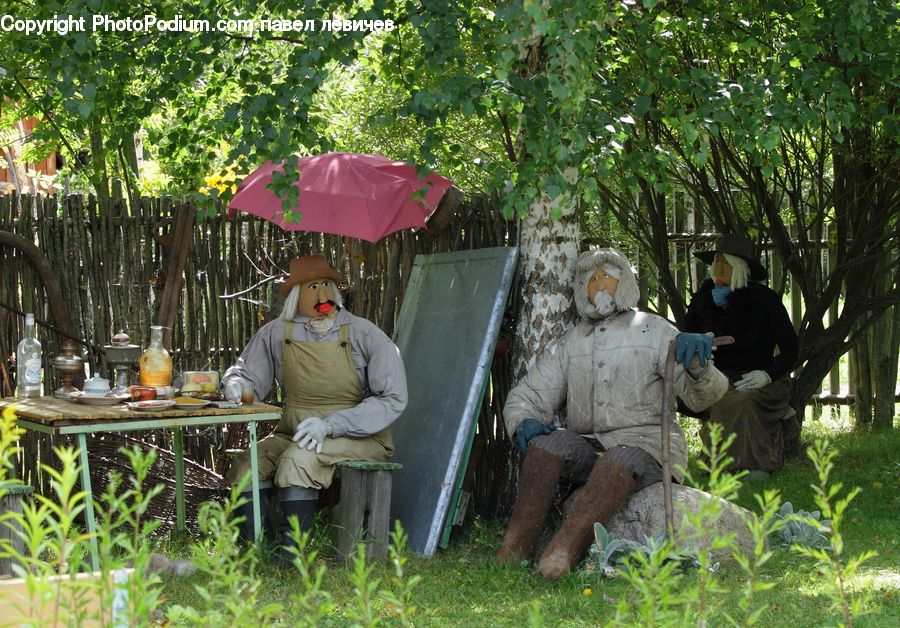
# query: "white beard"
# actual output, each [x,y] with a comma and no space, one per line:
[604,303]
[321,326]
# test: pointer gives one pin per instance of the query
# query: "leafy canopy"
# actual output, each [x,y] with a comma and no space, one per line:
[522,96]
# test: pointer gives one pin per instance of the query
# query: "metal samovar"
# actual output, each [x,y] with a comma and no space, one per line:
[121,358]
[67,365]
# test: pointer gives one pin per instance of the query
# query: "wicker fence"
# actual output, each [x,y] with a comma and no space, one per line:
[110,264]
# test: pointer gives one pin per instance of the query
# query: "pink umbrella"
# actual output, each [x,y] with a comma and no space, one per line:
[361,196]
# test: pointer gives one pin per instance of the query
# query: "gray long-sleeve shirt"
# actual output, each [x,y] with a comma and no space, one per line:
[377,360]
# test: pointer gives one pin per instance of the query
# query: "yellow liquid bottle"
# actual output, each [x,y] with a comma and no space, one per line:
[156,363]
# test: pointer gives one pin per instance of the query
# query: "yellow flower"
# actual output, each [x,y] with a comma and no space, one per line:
[587,592]
[226,180]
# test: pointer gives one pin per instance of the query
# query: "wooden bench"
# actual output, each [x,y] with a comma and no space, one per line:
[11,503]
[364,511]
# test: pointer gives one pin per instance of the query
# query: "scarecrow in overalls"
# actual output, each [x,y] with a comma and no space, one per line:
[344,384]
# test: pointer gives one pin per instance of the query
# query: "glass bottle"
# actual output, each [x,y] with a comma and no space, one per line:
[156,363]
[29,362]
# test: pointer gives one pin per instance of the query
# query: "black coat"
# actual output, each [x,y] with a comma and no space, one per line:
[758,321]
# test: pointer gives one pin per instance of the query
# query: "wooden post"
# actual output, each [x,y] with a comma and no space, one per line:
[179,243]
[680,261]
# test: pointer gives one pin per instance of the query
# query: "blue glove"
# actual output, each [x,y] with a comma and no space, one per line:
[528,429]
[688,345]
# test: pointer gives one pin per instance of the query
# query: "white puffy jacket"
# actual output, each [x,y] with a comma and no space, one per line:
[604,379]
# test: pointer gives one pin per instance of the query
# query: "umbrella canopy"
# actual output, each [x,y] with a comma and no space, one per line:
[361,196]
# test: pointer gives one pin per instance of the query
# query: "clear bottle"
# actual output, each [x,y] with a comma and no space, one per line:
[29,362]
[155,362]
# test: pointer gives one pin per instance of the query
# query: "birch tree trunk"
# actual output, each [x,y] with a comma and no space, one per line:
[548,249]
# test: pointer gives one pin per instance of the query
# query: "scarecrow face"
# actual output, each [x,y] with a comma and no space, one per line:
[600,280]
[721,270]
[317,298]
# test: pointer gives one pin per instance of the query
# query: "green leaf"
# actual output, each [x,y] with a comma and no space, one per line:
[641,105]
[690,133]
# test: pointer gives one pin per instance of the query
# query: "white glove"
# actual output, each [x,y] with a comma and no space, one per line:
[752,380]
[311,433]
[232,390]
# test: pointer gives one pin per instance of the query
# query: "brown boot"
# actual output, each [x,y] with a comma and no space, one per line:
[607,488]
[537,487]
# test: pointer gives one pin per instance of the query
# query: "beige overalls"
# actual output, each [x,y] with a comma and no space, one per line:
[319,378]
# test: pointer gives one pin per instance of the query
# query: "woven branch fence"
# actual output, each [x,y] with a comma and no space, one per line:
[110,263]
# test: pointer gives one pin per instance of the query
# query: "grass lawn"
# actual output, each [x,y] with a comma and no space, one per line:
[462,587]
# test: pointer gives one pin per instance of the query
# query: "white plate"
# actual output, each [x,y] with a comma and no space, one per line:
[98,400]
[166,392]
[194,404]
[151,405]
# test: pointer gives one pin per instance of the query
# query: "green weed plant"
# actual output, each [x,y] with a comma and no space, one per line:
[835,566]
[228,582]
[661,594]
[52,548]
[229,592]
[664,584]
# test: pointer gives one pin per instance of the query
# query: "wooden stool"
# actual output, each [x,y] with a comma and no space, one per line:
[364,511]
[12,502]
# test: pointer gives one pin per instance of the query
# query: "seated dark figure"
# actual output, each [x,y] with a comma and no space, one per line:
[734,302]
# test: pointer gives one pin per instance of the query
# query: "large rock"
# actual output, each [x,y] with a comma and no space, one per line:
[645,515]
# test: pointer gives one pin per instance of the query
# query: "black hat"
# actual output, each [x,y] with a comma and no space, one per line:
[739,246]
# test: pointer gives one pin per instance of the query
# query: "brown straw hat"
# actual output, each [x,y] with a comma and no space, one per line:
[307,268]
[739,246]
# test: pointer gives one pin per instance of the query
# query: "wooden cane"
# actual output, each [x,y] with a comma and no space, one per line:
[668,382]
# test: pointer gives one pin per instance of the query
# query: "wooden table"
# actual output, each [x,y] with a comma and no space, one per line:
[56,416]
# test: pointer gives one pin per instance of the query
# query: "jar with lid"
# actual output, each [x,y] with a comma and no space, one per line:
[156,363]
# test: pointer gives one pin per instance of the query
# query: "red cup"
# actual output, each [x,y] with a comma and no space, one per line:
[142,393]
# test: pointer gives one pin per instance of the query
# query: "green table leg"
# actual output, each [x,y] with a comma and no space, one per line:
[178,443]
[88,501]
[254,480]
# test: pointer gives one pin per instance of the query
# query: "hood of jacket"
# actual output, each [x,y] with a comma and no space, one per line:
[628,292]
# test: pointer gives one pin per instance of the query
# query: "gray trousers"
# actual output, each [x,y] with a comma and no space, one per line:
[580,453]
